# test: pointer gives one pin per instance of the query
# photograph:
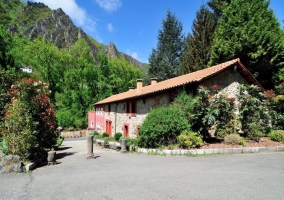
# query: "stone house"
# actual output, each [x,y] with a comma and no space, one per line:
[125,112]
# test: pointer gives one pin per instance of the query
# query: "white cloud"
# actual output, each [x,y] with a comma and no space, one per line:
[109,5]
[133,54]
[110,27]
[77,14]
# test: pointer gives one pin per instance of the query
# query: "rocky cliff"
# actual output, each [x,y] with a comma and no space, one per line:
[37,19]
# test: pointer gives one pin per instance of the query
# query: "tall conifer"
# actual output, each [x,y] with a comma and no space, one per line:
[250,31]
[198,44]
[164,61]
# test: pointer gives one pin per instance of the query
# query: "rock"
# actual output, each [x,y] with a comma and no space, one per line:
[9,164]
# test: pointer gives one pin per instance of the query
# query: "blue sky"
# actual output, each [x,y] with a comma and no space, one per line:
[132,25]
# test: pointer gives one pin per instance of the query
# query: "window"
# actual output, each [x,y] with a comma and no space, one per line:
[131,108]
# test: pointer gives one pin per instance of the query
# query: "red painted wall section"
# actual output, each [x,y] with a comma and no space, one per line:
[100,118]
[92,120]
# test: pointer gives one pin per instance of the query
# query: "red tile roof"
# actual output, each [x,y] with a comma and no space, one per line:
[193,77]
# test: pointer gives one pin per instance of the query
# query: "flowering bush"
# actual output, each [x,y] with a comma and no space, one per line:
[30,124]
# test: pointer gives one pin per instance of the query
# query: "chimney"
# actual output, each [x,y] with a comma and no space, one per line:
[139,85]
[131,88]
[154,81]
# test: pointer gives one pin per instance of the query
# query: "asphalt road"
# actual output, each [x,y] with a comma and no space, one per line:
[113,175]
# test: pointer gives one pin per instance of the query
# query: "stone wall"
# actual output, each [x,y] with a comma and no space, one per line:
[119,117]
[75,134]
[229,80]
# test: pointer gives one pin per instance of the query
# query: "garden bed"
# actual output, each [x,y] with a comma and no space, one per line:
[264,142]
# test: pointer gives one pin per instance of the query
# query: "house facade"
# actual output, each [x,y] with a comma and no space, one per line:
[125,112]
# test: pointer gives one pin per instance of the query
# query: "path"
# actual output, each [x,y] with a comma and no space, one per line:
[113,175]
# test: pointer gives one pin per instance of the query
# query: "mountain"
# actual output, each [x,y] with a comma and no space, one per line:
[37,19]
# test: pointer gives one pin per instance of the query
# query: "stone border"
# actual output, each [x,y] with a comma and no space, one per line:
[34,165]
[211,151]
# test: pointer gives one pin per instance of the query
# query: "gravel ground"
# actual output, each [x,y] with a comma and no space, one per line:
[115,176]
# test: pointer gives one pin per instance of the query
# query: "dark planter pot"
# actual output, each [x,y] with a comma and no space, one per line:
[51,157]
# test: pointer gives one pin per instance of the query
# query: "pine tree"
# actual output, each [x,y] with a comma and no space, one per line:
[250,31]
[164,61]
[198,44]
[217,6]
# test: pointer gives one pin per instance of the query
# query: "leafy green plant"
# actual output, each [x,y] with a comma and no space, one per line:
[59,141]
[108,139]
[255,119]
[243,141]
[277,135]
[117,136]
[188,139]
[95,133]
[97,137]
[213,110]
[161,127]
[171,146]
[5,147]
[104,135]
[275,104]
[232,139]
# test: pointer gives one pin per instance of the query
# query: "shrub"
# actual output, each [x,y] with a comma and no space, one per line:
[70,129]
[108,139]
[277,135]
[5,147]
[97,137]
[232,139]
[254,117]
[213,111]
[30,124]
[189,139]
[59,141]
[161,127]
[117,136]
[105,135]
[243,141]
[95,133]
[65,118]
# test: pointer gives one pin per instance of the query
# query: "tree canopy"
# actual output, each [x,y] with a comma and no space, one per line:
[250,31]
[164,62]
[198,44]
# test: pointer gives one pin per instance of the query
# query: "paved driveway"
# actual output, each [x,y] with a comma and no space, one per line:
[113,175]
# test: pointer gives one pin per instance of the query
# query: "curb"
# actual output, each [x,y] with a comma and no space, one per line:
[212,151]
[34,165]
